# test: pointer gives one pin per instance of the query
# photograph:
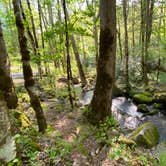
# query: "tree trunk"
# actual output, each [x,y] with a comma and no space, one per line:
[27,70]
[7,143]
[102,98]
[35,39]
[133,29]
[126,49]
[79,65]
[47,71]
[6,82]
[119,41]
[77,56]
[69,72]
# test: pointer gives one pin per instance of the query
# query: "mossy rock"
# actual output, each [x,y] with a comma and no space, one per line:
[153,112]
[126,141]
[145,135]
[117,91]
[160,97]
[158,106]
[142,108]
[142,98]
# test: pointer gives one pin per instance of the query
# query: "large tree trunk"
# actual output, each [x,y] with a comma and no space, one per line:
[6,82]
[102,99]
[7,143]
[9,97]
[27,70]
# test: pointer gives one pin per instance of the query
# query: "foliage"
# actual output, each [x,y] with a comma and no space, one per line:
[162,159]
[102,131]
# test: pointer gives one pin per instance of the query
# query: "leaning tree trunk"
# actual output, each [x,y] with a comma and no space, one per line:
[27,70]
[6,82]
[102,98]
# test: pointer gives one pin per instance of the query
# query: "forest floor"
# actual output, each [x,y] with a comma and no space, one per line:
[69,139]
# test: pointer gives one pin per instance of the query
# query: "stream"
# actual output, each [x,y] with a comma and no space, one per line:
[125,112]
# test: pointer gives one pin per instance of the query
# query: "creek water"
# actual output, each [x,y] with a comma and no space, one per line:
[125,112]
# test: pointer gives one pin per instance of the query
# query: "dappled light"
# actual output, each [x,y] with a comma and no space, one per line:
[82,83]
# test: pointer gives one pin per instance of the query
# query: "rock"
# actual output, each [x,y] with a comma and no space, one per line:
[75,80]
[145,135]
[126,141]
[153,112]
[62,80]
[142,108]
[143,98]
[160,97]
[158,106]
[117,91]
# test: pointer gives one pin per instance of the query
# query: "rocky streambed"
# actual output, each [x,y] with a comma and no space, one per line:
[129,117]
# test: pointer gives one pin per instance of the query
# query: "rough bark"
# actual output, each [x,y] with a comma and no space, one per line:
[27,70]
[6,82]
[7,143]
[102,99]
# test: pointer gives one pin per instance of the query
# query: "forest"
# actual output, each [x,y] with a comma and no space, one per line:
[82,83]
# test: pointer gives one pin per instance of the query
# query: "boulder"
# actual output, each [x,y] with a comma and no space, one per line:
[145,135]
[160,97]
[143,98]
[153,112]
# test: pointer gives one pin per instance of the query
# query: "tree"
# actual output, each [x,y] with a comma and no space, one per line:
[146,30]
[77,56]
[8,98]
[35,39]
[27,70]
[102,98]
[126,49]
[6,82]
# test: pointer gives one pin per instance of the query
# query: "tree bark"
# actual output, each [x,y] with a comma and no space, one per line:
[27,70]
[6,82]
[6,139]
[102,98]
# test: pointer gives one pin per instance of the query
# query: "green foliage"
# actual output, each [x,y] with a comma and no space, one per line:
[121,151]
[101,133]
[143,160]
[162,159]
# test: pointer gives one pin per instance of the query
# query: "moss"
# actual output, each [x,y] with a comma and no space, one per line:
[142,108]
[160,97]
[153,112]
[146,135]
[126,141]
[158,106]
[142,98]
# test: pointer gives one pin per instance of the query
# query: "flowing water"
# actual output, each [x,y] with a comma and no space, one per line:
[125,111]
